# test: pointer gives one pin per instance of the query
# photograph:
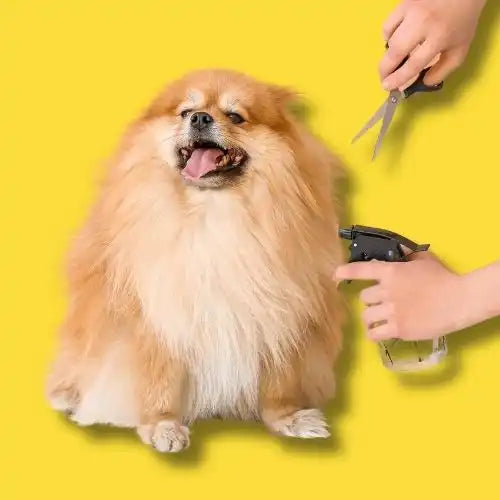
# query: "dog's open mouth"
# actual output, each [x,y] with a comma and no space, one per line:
[205,158]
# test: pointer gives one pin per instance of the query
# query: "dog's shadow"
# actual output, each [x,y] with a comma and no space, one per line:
[204,431]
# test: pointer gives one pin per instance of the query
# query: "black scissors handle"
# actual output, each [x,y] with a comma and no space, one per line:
[418,85]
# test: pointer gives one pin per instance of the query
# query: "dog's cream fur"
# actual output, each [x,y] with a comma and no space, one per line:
[194,301]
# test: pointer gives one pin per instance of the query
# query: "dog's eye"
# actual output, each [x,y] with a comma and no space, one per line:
[185,113]
[235,118]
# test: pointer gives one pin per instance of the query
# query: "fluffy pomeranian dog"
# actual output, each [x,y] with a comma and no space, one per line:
[201,284]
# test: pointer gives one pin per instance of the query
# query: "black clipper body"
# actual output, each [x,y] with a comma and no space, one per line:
[369,243]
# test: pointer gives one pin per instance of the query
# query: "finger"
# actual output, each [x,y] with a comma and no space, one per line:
[376,314]
[393,21]
[448,62]
[383,332]
[412,67]
[434,60]
[372,270]
[412,80]
[405,39]
[372,295]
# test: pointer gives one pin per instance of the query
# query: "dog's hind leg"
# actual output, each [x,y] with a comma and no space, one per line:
[62,389]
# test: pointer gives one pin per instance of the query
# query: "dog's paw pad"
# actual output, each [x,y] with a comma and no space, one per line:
[167,436]
[305,424]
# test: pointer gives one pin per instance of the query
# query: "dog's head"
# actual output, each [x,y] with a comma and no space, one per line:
[215,127]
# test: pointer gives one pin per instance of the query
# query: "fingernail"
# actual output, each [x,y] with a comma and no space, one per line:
[386,85]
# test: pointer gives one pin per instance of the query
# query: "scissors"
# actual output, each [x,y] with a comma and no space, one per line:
[388,108]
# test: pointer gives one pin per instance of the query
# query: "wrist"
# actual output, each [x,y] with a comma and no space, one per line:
[480,295]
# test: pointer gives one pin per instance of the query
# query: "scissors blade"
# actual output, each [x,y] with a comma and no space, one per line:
[374,119]
[392,103]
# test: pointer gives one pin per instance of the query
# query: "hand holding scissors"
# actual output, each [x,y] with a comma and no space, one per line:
[424,28]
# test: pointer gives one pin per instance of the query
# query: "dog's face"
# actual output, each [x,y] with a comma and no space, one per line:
[213,126]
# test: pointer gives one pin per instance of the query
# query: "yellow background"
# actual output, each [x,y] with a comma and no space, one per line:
[73,73]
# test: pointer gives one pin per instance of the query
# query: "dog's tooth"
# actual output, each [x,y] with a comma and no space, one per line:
[237,159]
[220,161]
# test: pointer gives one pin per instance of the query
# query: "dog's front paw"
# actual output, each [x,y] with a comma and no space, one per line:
[167,436]
[306,424]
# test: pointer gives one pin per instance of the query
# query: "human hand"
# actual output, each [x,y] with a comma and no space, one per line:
[427,30]
[415,300]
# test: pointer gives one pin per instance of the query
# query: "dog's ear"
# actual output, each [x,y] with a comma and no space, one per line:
[283,95]
[165,101]
[291,101]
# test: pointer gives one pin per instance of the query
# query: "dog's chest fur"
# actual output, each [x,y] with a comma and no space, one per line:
[214,287]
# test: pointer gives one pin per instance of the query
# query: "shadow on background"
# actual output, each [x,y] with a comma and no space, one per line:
[201,433]
[457,84]
[458,343]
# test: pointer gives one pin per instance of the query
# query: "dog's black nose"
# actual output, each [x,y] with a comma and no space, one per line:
[201,120]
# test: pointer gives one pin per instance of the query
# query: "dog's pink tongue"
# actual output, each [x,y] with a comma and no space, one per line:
[201,162]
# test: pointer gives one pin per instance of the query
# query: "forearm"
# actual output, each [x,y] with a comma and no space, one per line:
[481,295]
